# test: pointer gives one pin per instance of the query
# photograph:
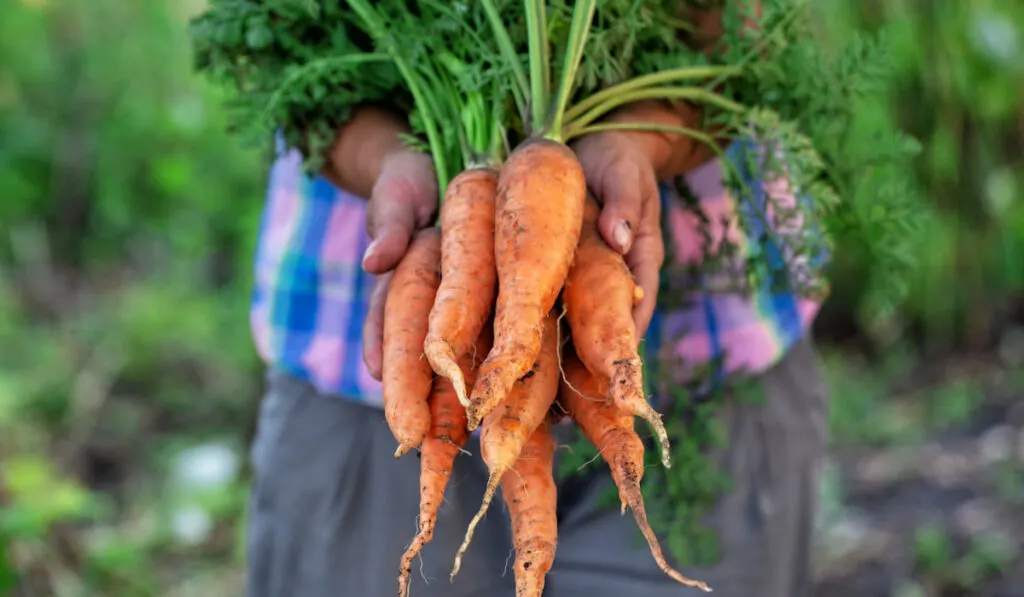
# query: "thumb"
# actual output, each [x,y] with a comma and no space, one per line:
[386,248]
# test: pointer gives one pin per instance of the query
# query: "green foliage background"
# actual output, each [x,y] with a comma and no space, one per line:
[126,230]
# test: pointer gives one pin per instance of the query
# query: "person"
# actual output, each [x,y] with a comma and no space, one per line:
[331,510]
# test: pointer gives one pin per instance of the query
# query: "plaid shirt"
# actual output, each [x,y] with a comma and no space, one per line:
[311,294]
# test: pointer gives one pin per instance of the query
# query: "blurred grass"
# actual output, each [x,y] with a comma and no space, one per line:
[129,220]
[128,382]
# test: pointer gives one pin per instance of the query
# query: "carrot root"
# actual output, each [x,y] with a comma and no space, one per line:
[440,448]
[492,486]
[407,379]
[611,430]
[529,491]
[507,430]
[627,477]
[469,279]
[426,527]
[627,392]
[538,217]
[599,297]
[433,481]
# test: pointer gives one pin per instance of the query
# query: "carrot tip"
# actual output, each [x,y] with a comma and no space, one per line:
[492,488]
[442,360]
[628,394]
[659,429]
[402,449]
[629,486]
[423,537]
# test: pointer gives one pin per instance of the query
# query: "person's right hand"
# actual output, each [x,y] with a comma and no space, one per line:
[402,201]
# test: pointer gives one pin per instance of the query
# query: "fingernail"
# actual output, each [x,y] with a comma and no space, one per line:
[623,235]
[370,250]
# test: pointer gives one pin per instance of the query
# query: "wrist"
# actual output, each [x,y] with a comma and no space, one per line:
[362,147]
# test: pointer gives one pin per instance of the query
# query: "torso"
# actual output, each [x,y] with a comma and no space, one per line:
[311,294]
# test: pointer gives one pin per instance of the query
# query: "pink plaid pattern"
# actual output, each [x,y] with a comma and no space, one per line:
[311,294]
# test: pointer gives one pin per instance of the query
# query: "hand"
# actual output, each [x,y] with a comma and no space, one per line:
[621,173]
[402,200]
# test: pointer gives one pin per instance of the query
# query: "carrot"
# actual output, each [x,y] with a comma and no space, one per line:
[529,491]
[468,277]
[538,214]
[507,428]
[599,296]
[447,435]
[612,433]
[407,377]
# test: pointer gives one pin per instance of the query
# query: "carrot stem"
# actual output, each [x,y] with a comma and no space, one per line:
[647,126]
[579,29]
[646,81]
[678,93]
[508,52]
[471,112]
[540,73]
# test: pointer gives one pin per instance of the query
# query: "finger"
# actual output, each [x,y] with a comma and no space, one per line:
[403,200]
[646,258]
[390,221]
[621,189]
[387,248]
[373,327]
[645,262]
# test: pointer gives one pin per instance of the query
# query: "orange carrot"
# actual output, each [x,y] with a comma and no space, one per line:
[507,428]
[447,435]
[529,491]
[407,377]
[468,277]
[538,214]
[612,433]
[599,296]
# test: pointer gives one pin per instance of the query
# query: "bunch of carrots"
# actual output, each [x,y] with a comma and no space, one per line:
[514,312]
[479,299]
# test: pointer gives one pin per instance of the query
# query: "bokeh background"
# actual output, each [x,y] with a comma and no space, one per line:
[128,383]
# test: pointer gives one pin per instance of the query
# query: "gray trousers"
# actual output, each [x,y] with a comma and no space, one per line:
[332,511]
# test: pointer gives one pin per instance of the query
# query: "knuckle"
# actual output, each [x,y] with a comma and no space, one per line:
[391,188]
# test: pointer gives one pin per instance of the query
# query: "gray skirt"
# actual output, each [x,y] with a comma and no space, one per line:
[331,510]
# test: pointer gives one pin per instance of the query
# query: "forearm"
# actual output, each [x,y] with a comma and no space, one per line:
[354,161]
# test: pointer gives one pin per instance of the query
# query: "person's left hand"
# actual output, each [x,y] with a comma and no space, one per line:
[622,176]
